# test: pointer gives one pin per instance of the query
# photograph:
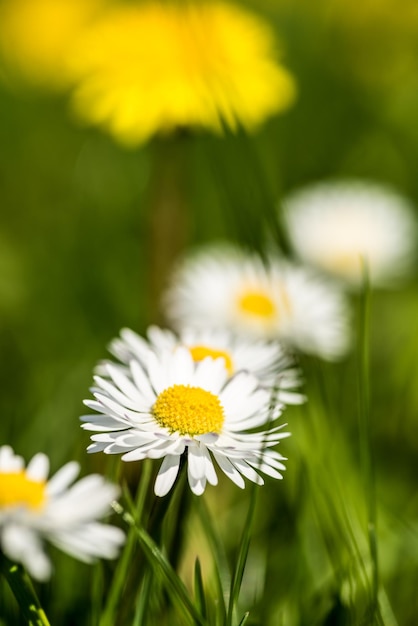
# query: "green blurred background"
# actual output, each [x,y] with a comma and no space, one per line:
[75,254]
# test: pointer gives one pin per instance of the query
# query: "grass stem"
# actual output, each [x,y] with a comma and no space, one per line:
[22,588]
[365,435]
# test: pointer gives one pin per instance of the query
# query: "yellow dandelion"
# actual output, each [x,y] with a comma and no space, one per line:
[36,36]
[145,69]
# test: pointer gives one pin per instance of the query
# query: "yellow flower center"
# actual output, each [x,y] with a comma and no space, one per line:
[201,352]
[257,303]
[189,410]
[16,489]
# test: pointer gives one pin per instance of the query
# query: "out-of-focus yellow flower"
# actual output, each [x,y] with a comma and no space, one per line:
[36,36]
[151,68]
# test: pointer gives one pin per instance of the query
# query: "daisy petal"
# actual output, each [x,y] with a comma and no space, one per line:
[167,475]
[228,469]
[63,478]
[38,468]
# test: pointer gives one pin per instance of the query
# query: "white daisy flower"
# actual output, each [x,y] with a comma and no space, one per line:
[225,287]
[267,360]
[33,508]
[171,404]
[339,226]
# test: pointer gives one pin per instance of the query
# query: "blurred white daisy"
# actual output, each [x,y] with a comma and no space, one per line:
[171,404]
[339,226]
[225,287]
[267,360]
[33,508]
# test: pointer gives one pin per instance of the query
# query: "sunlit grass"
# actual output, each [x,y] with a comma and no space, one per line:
[82,255]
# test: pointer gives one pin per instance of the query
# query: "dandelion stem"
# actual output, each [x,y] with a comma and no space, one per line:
[22,588]
[168,216]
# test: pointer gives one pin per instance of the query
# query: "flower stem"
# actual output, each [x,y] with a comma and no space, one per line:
[160,564]
[366,440]
[244,547]
[167,213]
[22,588]
[108,617]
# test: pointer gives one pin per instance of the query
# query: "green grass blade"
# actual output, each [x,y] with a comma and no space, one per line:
[199,589]
[244,619]
[244,546]
[97,593]
[242,557]
[157,560]
[221,570]
[142,605]
[22,588]
[120,575]
[366,438]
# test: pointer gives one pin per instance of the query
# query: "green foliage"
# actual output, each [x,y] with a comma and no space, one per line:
[335,543]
